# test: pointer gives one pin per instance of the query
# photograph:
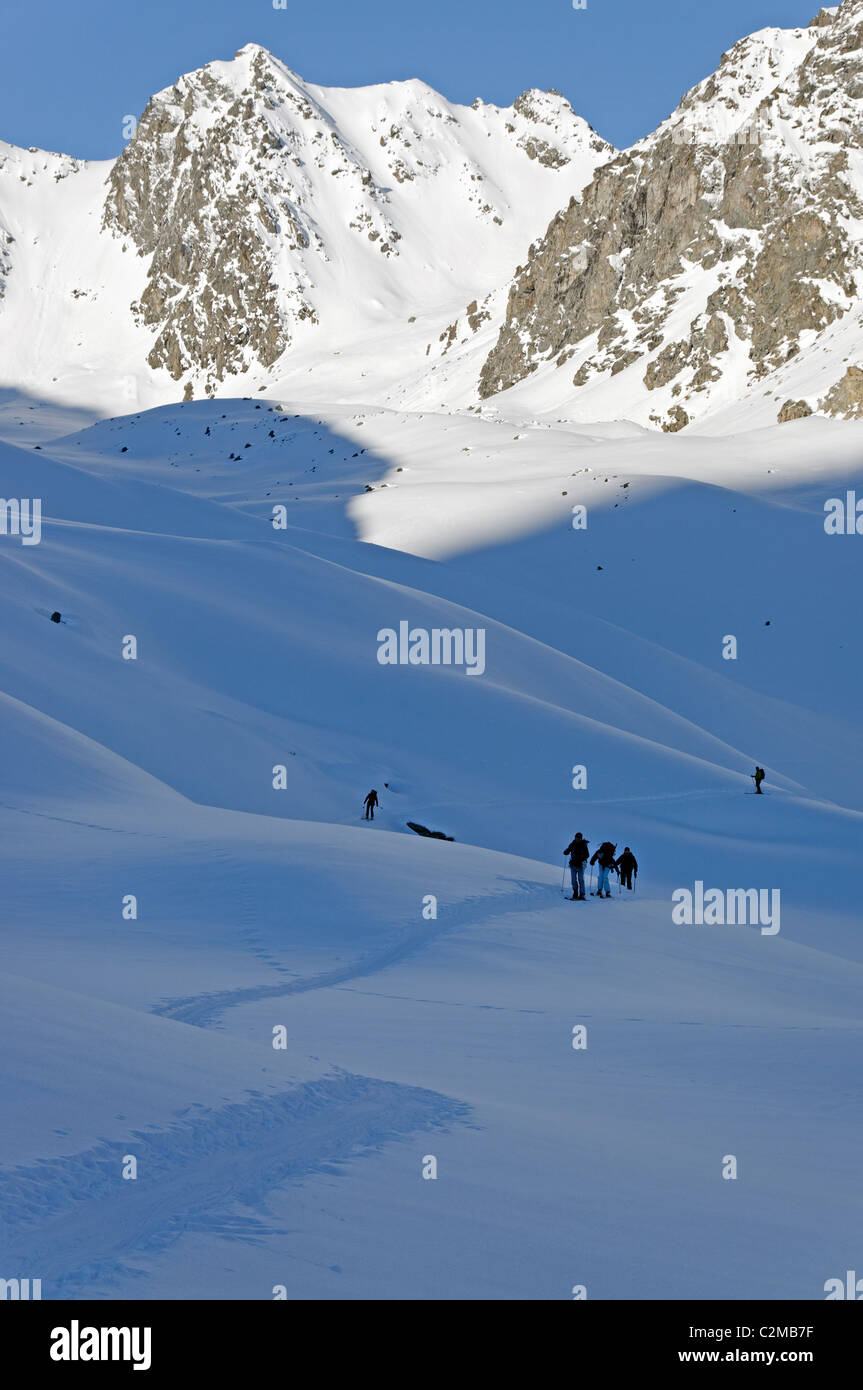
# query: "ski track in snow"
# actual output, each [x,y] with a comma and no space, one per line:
[202,1010]
[86,824]
[211,1171]
[82,1226]
[199,1173]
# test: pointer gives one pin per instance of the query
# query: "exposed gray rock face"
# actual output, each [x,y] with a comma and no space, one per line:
[677,420]
[740,210]
[209,191]
[539,111]
[794,410]
[6,242]
[846,397]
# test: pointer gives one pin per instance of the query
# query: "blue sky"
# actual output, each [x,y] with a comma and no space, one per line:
[72,71]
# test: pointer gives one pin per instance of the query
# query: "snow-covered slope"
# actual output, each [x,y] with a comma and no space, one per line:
[428,991]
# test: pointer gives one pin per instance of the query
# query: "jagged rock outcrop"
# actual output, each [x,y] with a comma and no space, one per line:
[739,215]
[209,191]
[846,397]
[539,110]
[794,410]
[6,241]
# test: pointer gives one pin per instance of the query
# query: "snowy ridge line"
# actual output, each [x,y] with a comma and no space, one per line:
[201,1010]
[81,1225]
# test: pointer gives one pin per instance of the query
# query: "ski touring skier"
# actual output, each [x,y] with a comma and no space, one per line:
[758,777]
[626,866]
[604,859]
[370,803]
[578,852]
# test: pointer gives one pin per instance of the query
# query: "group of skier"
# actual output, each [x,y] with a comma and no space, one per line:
[606,858]
[606,861]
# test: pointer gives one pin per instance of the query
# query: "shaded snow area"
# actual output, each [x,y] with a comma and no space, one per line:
[252,1040]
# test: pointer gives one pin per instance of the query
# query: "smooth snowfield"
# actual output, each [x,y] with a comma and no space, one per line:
[410,1034]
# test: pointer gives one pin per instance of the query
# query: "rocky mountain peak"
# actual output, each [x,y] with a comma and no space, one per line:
[242,182]
[209,183]
[725,242]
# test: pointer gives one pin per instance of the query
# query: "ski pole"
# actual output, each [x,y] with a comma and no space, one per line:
[563,879]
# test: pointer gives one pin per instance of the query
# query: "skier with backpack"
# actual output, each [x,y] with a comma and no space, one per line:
[578,852]
[626,866]
[604,858]
[370,803]
[758,777]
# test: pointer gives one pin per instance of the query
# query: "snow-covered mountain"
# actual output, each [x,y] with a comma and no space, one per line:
[211,964]
[718,260]
[253,219]
[383,245]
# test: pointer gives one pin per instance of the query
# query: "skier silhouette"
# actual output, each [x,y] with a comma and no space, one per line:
[758,777]
[604,857]
[370,803]
[626,866]
[578,852]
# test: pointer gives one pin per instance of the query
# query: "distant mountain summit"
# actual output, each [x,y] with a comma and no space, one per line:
[716,254]
[383,245]
[263,214]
